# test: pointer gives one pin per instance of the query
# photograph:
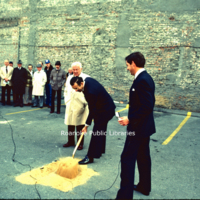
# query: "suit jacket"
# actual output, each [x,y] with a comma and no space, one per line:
[6,75]
[99,101]
[29,79]
[19,79]
[141,104]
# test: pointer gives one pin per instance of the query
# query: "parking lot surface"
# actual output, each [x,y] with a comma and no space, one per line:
[33,137]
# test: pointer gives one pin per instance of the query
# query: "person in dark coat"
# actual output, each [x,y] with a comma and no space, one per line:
[140,126]
[19,79]
[48,88]
[101,109]
[29,86]
[57,80]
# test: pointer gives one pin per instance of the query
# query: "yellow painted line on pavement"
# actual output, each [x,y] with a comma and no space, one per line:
[127,106]
[177,129]
[28,110]
[24,111]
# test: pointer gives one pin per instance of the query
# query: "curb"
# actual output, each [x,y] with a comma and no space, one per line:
[177,112]
[166,110]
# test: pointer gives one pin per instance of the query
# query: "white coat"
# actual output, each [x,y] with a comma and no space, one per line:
[77,111]
[39,80]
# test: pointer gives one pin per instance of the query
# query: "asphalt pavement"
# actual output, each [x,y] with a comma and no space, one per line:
[32,137]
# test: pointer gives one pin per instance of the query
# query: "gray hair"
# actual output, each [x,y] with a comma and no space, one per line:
[76,64]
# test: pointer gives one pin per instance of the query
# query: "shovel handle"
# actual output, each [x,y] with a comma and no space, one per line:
[79,141]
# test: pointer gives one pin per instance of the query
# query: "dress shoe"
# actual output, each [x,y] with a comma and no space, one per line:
[86,160]
[68,145]
[33,106]
[58,112]
[51,111]
[26,105]
[8,104]
[3,104]
[21,105]
[141,191]
[80,147]
[41,106]
[49,106]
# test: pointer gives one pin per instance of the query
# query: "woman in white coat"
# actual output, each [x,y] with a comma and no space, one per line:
[39,80]
[76,108]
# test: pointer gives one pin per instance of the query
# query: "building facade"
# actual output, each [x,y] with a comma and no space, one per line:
[101,33]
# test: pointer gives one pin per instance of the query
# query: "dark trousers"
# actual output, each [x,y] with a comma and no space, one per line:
[48,94]
[71,133]
[98,140]
[58,100]
[19,99]
[14,95]
[135,149]
[4,88]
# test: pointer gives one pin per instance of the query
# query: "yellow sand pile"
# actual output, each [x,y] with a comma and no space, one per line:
[54,174]
[68,169]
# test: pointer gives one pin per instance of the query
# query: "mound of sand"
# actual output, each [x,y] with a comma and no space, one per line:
[64,175]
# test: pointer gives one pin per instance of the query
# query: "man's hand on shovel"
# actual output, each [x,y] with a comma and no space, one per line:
[84,130]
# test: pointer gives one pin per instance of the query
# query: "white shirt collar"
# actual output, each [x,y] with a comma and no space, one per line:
[139,71]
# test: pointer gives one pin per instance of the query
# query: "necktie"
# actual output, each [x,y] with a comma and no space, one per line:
[6,69]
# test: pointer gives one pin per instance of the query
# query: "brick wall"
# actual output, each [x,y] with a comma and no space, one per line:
[101,33]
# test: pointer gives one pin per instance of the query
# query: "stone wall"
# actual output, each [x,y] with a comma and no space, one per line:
[100,33]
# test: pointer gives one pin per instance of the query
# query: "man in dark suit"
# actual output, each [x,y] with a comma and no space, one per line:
[101,109]
[19,79]
[140,125]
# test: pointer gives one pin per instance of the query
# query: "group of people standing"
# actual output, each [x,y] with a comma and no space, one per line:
[26,83]
[86,100]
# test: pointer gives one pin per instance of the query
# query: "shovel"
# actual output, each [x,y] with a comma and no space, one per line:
[79,141]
